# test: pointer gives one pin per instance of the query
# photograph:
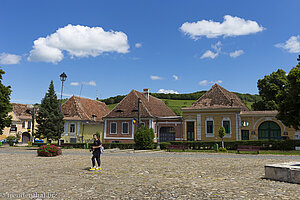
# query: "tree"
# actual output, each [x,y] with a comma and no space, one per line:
[50,119]
[143,138]
[289,108]
[5,106]
[271,88]
[222,134]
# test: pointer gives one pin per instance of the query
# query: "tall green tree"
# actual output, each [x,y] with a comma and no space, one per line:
[5,106]
[222,134]
[271,88]
[50,119]
[289,108]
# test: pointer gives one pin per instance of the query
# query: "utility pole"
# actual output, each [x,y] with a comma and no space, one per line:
[139,112]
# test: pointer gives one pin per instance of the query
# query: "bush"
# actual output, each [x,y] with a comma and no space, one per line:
[49,151]
[221,149]
[164,145]
[11,140]
[143,138]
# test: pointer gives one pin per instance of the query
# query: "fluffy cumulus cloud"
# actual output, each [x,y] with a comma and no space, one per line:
[9,59]
[138,45]
[236,53]
[167,91]
[175,77]
[231,26]
[206,82]
[292,45]
[155,77]
[77,41]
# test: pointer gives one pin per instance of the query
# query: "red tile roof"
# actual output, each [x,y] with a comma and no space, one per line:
[128,107]
[78,108]
[218,98]
[20,111]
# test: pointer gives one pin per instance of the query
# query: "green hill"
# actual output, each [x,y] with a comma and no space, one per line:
[176,101]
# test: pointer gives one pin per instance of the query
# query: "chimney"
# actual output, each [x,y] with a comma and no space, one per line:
[146,93]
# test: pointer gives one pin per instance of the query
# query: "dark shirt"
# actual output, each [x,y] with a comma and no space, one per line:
[97,143]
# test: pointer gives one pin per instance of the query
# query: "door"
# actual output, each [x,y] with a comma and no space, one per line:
[190,131]
[166,134]
[25,138]
[245,134]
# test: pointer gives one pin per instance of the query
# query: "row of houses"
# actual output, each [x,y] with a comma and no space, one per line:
[201,121]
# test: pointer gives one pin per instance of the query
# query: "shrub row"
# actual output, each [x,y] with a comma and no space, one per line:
[232,145]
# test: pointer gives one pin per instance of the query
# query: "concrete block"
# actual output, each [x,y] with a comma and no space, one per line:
[287,172]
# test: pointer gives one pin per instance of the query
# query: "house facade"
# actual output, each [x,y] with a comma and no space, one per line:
[21,126]
[83,118]
[120,125]
[219,107]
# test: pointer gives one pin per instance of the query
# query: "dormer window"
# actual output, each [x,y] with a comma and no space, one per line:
[94,117]
[119,110]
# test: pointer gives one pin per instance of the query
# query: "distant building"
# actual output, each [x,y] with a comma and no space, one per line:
[119,123]
[21,123]
[83,118]
[219,107]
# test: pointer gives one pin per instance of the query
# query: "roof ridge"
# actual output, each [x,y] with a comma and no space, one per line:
[77,107]
[143,103]
[223,92]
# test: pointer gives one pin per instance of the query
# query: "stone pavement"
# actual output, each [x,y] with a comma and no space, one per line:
[140,175]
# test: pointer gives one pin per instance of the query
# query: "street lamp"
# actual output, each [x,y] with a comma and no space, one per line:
[63,78]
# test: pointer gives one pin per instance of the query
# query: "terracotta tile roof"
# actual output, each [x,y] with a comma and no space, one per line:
[218,97]
[78,108]
[128,107]
[20,111]
[261,112]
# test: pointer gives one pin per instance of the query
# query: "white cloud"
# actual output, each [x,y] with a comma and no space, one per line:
[175,77]
[167,91]
[9,59]
[74,83]
[203,83]
[78,41]
[156,77]
[90,83]
[138,45]
[209,54]
[217,47]
[236,53]
[206,82]
[292,45]
[231,26]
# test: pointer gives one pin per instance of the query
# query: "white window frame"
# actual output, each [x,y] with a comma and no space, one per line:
[206,133]
[74,128]
[127,128]
[227,135]
[116,128]
[297,136]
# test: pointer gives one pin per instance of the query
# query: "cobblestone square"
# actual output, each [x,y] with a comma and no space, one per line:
[140,175]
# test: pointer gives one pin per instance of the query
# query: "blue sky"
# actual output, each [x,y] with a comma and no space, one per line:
[111,47]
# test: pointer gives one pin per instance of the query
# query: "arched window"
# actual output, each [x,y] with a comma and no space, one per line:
[269,130]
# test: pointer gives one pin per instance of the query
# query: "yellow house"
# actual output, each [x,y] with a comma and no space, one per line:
[83,118]
[21,123]
[219,107]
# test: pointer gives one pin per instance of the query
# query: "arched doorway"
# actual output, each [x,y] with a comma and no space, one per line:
[166,134]
[25,137]
[269,130]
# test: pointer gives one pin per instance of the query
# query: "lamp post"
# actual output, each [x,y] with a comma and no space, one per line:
[139,112]
[63,78]
[32,110]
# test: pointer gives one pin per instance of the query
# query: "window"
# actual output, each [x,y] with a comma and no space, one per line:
[29,124]
[125,126]
[226,125]
[245,123]
[13,128]
[142,123]
[23,124]
[113,128]
[210,127]
[72,128]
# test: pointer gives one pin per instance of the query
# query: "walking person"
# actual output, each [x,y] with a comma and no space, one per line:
[96,149]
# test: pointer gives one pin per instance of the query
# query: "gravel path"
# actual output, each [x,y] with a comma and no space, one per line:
[142,175]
